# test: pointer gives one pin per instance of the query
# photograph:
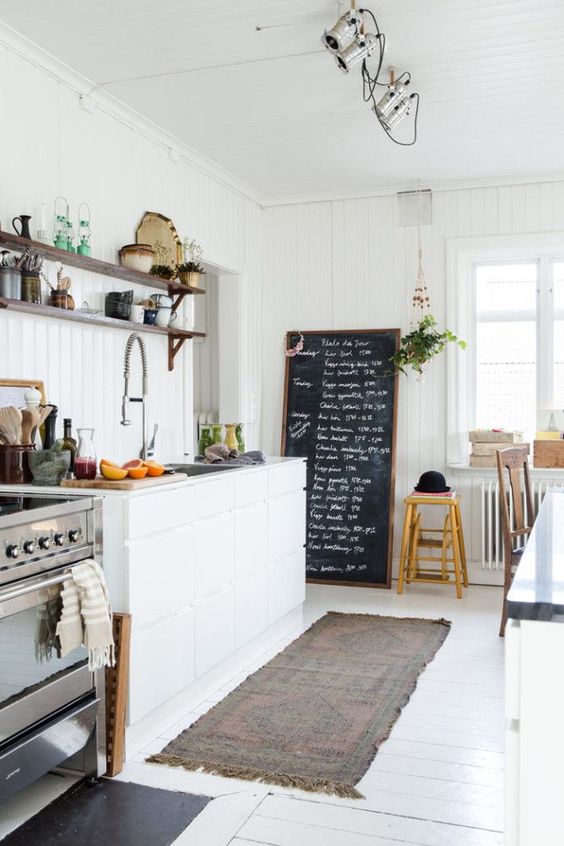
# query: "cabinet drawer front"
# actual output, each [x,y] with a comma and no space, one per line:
[251,487]
[251,606]
[212,497]
[286,524]
[214,561]
[250,539]
[286,477]
[162,664]
[160,574]
[214,628]
[159,511]
[286,585]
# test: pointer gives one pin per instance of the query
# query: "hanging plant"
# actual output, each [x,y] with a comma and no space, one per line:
[422,344]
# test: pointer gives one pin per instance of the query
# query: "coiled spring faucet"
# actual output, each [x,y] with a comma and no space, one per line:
[125,421]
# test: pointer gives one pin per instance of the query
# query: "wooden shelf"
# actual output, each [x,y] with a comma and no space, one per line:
[14,242]
[176,337]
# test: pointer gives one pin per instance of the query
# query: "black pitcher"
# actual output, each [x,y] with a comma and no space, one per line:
[24,223]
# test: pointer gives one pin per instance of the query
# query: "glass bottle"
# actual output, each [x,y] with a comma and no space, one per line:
[85,457]
[230,436]
[217,433]
[68,442]
[240,437]
[205,438]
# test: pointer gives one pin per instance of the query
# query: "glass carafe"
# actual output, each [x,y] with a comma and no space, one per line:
[231,437]
[240,437]
[85,458]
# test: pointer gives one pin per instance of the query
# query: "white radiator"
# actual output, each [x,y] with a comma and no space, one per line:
[492,532]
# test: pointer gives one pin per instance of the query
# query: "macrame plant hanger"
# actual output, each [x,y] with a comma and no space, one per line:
[420,301]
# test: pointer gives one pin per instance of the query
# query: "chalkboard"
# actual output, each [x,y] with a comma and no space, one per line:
[340,410]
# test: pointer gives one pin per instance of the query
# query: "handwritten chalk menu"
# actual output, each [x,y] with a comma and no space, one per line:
[340,414]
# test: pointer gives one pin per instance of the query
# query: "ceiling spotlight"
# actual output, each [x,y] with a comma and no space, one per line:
[359,49]
[351,45]
[396,114]
[343,32]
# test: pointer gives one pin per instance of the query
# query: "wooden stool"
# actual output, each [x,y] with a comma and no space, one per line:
[450,538]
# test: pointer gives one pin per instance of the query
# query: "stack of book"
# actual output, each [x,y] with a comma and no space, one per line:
[485,443]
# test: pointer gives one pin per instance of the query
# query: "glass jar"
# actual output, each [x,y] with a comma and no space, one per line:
[240,437]
[59,299]
[205,438]
[217,433]
[85,459]
[31,287]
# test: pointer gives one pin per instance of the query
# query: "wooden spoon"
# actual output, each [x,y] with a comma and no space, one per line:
[30,421]
[10,424]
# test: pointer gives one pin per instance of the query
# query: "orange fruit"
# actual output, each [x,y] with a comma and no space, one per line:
[136,462]
[155,469]
[112,472]
[137,472]
[108,464]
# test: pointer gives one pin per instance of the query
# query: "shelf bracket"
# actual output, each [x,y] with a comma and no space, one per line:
[175,344]
[178,302]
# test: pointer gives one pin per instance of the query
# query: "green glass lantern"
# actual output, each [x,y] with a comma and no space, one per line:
[84,231]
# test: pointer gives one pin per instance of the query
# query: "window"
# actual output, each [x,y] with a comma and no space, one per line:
[505,296]
[518,343]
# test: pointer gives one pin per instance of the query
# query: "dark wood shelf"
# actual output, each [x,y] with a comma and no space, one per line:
[176,337]
[117,271]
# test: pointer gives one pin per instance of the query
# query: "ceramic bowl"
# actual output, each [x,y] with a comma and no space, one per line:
[139,257]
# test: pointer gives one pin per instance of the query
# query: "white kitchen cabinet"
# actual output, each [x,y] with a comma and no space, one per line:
[251,539]
[213,553]
[161,663]
[160,561]
[251,607]
[214,628]
[286,523]
[206,567]
[286,584]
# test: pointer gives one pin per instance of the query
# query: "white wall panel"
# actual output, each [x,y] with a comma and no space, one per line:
[121,173]
[348,265]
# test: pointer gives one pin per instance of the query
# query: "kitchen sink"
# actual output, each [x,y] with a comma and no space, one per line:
[200,469]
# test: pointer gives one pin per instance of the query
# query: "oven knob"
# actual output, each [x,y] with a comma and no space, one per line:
[29,547]
[44,543]
[74,535]
[13,551]
[59,539]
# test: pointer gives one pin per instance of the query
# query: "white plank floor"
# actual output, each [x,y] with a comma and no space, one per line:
[438,779]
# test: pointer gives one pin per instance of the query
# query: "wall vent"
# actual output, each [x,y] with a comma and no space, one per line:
[413,205]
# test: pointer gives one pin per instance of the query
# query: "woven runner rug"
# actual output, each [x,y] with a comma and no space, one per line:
[315,715]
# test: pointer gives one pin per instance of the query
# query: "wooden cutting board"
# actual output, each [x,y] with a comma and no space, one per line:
[126,485]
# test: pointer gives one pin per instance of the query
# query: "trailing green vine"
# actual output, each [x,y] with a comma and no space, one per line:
[422,344]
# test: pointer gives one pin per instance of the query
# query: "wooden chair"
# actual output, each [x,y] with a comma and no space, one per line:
[514,460]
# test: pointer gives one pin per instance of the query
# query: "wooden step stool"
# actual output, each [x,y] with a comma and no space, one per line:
[450,539]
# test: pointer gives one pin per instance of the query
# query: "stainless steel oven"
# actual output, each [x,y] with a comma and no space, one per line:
[51,708]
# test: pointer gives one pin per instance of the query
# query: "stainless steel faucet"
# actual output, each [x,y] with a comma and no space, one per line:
[125,421]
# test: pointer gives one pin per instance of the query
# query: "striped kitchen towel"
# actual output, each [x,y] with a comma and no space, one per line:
[86,617]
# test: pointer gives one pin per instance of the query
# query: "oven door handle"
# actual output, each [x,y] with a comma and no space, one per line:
[15,593]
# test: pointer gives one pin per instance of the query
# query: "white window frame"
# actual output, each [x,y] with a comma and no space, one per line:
[463,256]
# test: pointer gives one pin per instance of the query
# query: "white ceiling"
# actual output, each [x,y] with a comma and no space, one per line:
[272,108]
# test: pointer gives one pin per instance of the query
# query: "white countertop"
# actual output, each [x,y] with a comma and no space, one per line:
[55,490]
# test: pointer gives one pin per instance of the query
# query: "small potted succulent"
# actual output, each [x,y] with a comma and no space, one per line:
[422,344]
[164,271]
[191,271]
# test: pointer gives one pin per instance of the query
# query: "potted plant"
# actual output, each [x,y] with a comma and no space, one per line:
[163,270]
[191,271]
[422,344]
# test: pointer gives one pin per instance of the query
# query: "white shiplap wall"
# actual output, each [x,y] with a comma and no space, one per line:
[347,264]
[50,146]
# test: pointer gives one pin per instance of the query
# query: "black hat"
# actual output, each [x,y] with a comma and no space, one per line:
[432,482]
